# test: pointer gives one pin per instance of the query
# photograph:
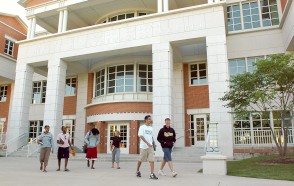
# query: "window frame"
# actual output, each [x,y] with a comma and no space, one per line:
[43,89]
[198,73]
[72,89]
[7,48]
[246,63]
[3,93]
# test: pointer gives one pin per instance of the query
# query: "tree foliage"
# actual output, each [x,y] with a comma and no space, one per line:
[269,88]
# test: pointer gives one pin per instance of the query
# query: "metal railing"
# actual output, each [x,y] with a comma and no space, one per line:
[33,146]
[17,143]
[260,136]
[211,143]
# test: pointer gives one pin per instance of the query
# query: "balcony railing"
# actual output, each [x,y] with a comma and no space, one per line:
[260,136]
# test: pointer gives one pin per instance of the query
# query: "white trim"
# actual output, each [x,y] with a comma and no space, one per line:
[117,117]
[198,72]
[198,111]
[3,120]
[10,38]
[8,57]
[68,117]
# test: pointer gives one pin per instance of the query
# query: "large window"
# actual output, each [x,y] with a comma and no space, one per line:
[254,14]
[242,65]
[123,78]
[198,74]
[9,44]
[3,93]
[70,87]
[123,16]
[39,92]
[144,80]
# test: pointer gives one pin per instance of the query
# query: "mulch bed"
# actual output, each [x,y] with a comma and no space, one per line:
[279,160]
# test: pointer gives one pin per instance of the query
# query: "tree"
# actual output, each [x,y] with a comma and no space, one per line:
[269,88]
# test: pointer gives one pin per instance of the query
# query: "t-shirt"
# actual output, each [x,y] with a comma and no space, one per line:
[46,139]
[64,138]
[147,133]
[116,141]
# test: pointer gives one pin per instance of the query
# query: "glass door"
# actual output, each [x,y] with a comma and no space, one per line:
[124,134]
[70,128]
[198,130]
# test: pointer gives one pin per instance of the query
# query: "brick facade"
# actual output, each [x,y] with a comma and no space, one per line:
[31,3]
[196,97]
[134,139]
[4,107]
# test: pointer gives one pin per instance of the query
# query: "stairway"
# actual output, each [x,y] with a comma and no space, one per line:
[187,154]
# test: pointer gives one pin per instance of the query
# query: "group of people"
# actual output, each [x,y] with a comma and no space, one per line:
[166,137]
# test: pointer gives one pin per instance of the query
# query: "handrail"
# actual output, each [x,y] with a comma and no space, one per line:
[20,141]
[30,146]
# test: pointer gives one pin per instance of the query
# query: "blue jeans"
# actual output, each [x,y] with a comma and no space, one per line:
[115,155]
[167,154]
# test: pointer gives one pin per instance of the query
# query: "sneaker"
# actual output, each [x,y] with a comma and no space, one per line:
[160,172]
[153,176]
[138,174]
[174,173]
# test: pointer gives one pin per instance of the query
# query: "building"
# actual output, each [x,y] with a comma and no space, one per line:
[12,29]
[112,63]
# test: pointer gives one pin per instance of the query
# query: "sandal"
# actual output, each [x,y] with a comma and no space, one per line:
[118,167]
[66,170]
[57,169]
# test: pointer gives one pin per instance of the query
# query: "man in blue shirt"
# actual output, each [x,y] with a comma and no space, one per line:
[46,141]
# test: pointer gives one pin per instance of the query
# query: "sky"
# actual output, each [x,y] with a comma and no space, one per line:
[12,7]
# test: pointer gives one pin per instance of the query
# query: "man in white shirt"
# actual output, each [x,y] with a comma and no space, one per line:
[146,148]
[63,142]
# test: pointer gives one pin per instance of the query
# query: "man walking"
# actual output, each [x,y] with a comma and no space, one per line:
[46,141]
[167,138]
[63,151]
[146,148]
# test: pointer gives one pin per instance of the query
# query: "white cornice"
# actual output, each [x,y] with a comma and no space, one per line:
[117,117]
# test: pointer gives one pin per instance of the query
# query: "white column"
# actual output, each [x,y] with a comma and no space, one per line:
[165,5]
[81,113]
[159,6]
[32,29]
[218,74]
[64,22]
[60,21]
[55,95]
[22,96]
[162,64]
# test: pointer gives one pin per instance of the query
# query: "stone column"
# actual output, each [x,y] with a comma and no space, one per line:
[162,64]
[64,22]
[19,115]
[55,95]
[33,27]
[159,6]
[80,109]
[29,28]
[165,5]
[218,74]
[60,21]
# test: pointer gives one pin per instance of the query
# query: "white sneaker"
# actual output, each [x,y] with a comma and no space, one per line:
[174,173]
[160,172]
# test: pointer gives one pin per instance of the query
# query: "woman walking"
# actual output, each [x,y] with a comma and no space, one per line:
[46,141]
[115,148]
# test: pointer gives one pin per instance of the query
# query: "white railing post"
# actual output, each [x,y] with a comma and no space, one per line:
[212,142]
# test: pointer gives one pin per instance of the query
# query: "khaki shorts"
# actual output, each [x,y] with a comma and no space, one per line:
[147,154]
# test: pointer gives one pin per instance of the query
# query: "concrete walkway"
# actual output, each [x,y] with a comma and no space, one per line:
[25,171]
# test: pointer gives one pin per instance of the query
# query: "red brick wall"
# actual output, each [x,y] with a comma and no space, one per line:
[4,30]
[70,103]
[283,4]
[4,107]
[119,108]
[102,127]
[134,139]
[196,97]
[90,87]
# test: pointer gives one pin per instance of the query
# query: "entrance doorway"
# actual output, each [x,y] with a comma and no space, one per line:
[198,130]
[123,128]
[70,128]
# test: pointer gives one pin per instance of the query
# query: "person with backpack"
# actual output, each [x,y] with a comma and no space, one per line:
[92,139]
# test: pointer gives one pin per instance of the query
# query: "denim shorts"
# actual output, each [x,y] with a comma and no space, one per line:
[167,154]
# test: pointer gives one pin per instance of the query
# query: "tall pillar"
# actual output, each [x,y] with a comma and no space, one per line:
[60,21]
[218,74]
[162,64]
[33,28]
[55,95]
[165,5]
[29,28]
[19,116]
[64,22]
[80,109]
[159,6]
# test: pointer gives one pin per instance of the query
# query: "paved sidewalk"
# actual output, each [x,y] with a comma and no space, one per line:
[25,171]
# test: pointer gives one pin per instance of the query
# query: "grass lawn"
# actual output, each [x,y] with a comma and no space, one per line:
[256,168]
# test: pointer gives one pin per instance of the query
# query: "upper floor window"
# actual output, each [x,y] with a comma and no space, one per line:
[9,45]
[70,86]
[254,14]
[198,74]
[39,92]
[3,93]
[123,16]
[123,78]
[242,65]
